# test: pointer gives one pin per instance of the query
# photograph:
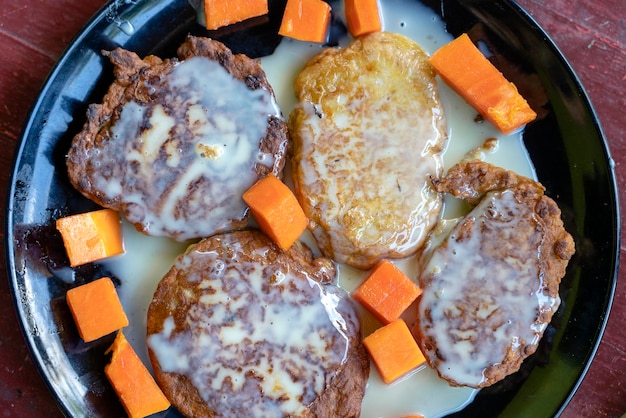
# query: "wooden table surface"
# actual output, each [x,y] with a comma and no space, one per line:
[591,34]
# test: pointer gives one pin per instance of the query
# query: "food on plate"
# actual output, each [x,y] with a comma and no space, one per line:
[220,13]
[386,292]
[367,134]
[491,287]
[96,309]
[306,20]
[362,17]
[175,143]
[393,350]
[462,66]
[276,210]
[132,382]
[250,321]
[91,236]
[240,325]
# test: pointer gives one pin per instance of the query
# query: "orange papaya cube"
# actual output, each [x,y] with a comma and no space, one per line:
[91,236]
[134,385]
[393,350]
[306,20]
[96,309]
[276,210]
[387,292]
[220,13]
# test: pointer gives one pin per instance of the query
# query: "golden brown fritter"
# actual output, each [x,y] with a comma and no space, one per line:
[239,327]
[367,134]
[175,142]
[491,287]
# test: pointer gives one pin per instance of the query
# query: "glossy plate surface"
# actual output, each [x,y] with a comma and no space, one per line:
[566,146]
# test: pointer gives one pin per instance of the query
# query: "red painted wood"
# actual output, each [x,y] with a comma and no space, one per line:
[591,34]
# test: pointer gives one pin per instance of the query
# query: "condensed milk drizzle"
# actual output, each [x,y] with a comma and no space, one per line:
[424,392]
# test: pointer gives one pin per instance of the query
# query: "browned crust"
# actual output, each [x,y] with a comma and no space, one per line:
[174,297]
[470,181]
[134,78]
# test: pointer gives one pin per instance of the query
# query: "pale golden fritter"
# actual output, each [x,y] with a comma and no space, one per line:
[367,134]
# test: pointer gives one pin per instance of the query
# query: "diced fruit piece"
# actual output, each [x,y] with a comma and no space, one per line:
[387,292]
[96,309]
[468,72]
[306,20]
[393,350]
[220,13]
[362,16]
[91,236]
[276,210]
[139,393]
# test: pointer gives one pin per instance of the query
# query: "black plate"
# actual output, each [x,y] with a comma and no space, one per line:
[566,146]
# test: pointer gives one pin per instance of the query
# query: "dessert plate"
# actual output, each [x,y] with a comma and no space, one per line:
[566,146]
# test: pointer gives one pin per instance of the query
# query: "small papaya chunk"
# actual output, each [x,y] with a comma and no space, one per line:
[220,13]
[91,236]
[387,292]
[393,350]
[139,393]
[306,20]
[96,309]
[362,16]
[471,75]
[276,210]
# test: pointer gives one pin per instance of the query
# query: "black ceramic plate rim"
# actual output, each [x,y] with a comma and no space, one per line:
[611,291]
[11,202]
[28,127]
[103,13]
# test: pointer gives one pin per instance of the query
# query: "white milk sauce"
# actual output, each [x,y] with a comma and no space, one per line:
[147,259]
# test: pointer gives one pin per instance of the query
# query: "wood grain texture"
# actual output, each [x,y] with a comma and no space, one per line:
[591,35]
